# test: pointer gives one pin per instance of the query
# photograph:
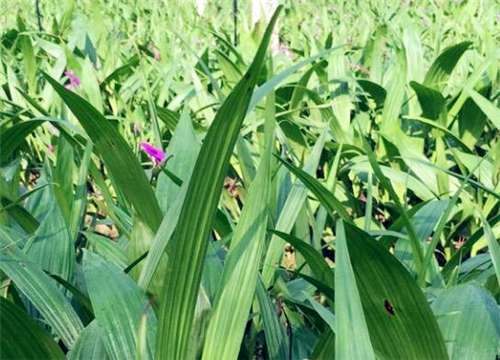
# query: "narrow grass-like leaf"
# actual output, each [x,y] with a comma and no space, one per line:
[290,212]
[314,259]
[493,246]
[11,138]
[488,108]
[416,249]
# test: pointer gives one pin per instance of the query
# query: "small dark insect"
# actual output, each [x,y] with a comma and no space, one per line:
[389,308]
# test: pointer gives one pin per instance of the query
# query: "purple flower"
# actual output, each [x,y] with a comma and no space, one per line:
[157,155]
[74,81]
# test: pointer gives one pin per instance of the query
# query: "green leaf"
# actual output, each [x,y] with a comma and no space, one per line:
[107,248]
[118,304]
[377,92]
[314,259]
[41,290]
[12,137]
[493,246]
[182,277]
[487,107]
[469,319]
[276,339]
[90,344]
[399,319]
[51,246]
[290,211]
[123,166]
[471,120]
[325,346]
[325,197]
[22,338]
[431,101]
[350,320]
[386,184]
[184,147]
[241,269]
[442,67]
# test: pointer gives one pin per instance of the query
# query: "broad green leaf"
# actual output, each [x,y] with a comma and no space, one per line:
[41,290]
[51,246]
[386,184]
[399,319]
[107,248]
[182,278]
[325,347]
[442,67]
[22,337]
[12,137]
[471,120]
[469,319]
[90,344]
[184,148]
[118,305]
[431,101]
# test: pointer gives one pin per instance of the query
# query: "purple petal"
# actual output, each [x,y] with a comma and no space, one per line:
[74,81]
[156,154]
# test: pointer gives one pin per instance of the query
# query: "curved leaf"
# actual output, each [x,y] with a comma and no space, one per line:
[399,319]
[22,338]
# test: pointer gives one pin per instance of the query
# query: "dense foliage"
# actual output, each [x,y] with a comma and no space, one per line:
[181,180]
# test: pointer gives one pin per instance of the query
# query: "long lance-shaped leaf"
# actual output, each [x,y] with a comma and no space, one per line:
[350,321]
[493,246]
[468,316]
[400,322]
[90,344]
[40,289]
[239,278]
[182,278]
[487,107]
[123,166]
[118,306]
[22,338]
[444,64]
[278,344]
